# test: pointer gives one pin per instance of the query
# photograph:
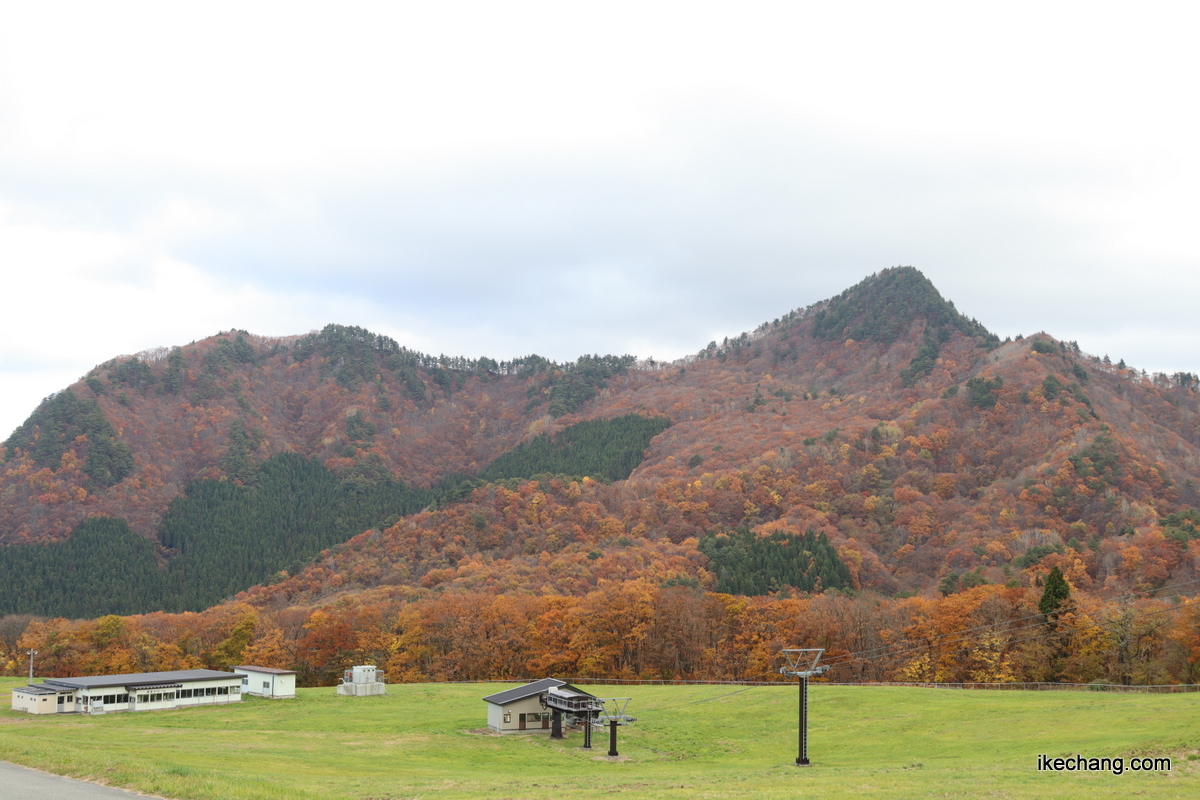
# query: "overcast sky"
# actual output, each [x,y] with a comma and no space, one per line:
[561,178]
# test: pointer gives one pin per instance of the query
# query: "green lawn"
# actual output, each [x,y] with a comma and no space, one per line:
[705,742]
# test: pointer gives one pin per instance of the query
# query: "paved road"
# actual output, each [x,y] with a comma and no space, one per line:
[29,784]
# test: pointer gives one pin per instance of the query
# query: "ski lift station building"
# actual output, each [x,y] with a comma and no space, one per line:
[521,708]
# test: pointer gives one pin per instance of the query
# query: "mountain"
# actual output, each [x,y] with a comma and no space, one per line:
[878,442]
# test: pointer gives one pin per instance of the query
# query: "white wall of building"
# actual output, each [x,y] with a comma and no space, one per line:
[507,718]
[266,684]
[188,695]
[34,703]
[143,691]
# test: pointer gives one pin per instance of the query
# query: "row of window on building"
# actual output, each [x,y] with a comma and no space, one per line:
[145,691]
[160,697]
[151,697]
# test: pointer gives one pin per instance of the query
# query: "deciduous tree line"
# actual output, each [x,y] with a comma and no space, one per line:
[634,629]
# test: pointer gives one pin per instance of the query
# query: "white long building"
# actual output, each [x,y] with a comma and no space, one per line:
[142,691]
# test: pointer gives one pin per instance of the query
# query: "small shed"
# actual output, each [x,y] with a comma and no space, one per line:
[267,681]
[521,708]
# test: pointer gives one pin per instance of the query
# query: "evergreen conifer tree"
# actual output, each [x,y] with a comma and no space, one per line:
[1056,594]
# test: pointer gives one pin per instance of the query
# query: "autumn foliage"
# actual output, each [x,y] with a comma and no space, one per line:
[949,472]
[637,629]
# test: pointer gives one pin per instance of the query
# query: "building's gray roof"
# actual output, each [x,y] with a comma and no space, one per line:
[567,690]
[138,678]
[37,688]
[521,692]
[267,670]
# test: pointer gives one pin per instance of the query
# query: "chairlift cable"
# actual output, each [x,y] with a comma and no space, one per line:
[705,699]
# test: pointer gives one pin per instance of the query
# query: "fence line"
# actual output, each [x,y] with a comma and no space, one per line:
[635,681]
[1018,686]
[1168,688]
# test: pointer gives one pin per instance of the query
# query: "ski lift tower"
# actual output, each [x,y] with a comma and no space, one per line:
[803,664]
[614,714]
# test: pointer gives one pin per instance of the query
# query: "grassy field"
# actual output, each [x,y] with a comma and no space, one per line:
[689,742]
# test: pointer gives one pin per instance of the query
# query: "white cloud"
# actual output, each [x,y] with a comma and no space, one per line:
[76,297]
[485,178]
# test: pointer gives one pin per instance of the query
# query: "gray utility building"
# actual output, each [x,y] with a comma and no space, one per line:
[529,707]
[140,691]
[364,680]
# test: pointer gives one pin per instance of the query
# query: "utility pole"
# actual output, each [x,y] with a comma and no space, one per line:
[32,653]
[803,664]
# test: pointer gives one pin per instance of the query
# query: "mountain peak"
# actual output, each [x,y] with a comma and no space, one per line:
[883,307]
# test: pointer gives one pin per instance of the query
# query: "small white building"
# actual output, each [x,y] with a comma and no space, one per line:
[38,698]
[522,709]
[140,691]
[362,681]
[267,681]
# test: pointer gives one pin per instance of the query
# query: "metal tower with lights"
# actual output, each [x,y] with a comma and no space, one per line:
[803,664]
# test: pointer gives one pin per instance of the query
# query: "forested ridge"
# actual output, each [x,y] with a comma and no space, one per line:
[228,537]
[64,424]
[884,307]
[104,568]
[221,536]
[744,563]
[608,448]
[224,536]
[136,431]
[879,446]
